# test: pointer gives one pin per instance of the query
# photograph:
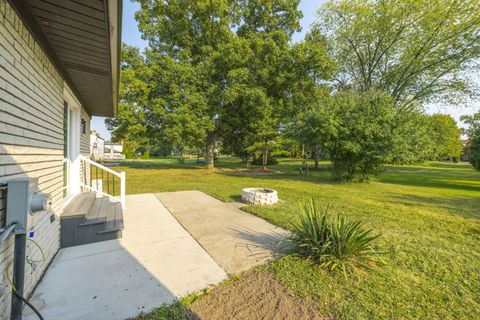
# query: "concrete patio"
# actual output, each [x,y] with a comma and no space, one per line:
[167,251]
[236,240]
[155,262]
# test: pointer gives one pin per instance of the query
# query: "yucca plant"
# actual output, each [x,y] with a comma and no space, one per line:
[334,242]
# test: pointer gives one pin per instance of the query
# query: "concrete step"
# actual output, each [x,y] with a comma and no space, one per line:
[91,219]
[97,212]
[80,205]
[114,221]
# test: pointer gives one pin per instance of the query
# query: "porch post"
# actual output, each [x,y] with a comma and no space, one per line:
[122,188]
[74,152]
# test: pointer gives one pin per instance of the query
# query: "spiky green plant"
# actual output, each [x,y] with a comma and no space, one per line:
[335,243]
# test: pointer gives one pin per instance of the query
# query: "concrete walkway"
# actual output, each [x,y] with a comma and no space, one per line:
[154,262]
[235,239]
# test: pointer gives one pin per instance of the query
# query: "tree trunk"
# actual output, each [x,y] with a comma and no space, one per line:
[245,159]
[182,160]
[265,156]
[316,156]
[210,152]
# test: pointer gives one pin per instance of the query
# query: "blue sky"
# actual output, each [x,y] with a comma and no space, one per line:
[131,36]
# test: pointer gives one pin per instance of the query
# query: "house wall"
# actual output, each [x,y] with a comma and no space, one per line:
[85,137]
[31,140]
[85,149]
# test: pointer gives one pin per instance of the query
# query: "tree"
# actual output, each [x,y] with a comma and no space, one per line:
[474,149]
[472,122]
[155,110]
[216,41]
[129,125]
[412,142]
[312,69]
[357,132]
[473,143]
[414,50]
[445,134]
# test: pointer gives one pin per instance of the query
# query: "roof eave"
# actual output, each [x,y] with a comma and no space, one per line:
[114,9]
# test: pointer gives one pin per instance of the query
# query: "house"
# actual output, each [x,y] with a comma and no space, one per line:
[113,151]
[97,146]
[59,66]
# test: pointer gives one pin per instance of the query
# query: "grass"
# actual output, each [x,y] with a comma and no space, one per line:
[428,215]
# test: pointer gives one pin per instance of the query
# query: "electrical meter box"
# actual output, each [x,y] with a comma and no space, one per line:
[23,200]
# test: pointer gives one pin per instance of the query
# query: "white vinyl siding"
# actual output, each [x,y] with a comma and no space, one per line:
[31,139]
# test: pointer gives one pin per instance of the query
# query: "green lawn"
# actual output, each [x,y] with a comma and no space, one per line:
[428,215]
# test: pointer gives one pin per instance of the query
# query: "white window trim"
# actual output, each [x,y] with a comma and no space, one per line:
[73,144]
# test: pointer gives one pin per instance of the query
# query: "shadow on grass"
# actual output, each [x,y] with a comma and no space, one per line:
[236,197]
[152,164]
[417,176]
[430,178]
[464,206]
[223,163]
[451,165]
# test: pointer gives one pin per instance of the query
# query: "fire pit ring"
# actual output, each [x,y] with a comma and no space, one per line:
[259,196]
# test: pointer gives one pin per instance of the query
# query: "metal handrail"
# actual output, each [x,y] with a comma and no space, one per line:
[96,164]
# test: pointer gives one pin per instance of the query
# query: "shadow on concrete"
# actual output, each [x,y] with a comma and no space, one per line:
[154,263]
[263,244]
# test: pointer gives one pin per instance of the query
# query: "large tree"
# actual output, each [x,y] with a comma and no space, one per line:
[129,125]
[233,49]
[160,102]
[415,50]
[312,69]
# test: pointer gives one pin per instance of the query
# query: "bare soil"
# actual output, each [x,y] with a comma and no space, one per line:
[259,171]
[256,295]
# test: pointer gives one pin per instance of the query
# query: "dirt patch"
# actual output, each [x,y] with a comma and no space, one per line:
[259,171]
[256,295]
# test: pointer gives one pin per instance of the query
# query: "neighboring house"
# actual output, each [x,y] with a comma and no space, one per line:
[59,66]
[97,146]
[113,151]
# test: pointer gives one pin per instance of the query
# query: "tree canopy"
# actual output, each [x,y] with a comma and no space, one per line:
[415,50]
[226,74]
[445,135]
[231,53]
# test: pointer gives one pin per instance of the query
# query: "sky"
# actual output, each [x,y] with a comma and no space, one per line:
[131,36]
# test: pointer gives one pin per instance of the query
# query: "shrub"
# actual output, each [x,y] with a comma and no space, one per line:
[357,130]
[336,243]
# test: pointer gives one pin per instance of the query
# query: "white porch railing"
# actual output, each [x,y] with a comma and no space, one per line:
[98,178]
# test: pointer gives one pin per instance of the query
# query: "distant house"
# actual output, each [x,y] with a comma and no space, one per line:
[113,151]
[59,66]
[97,146]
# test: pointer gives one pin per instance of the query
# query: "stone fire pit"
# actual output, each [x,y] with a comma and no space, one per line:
[261,196]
